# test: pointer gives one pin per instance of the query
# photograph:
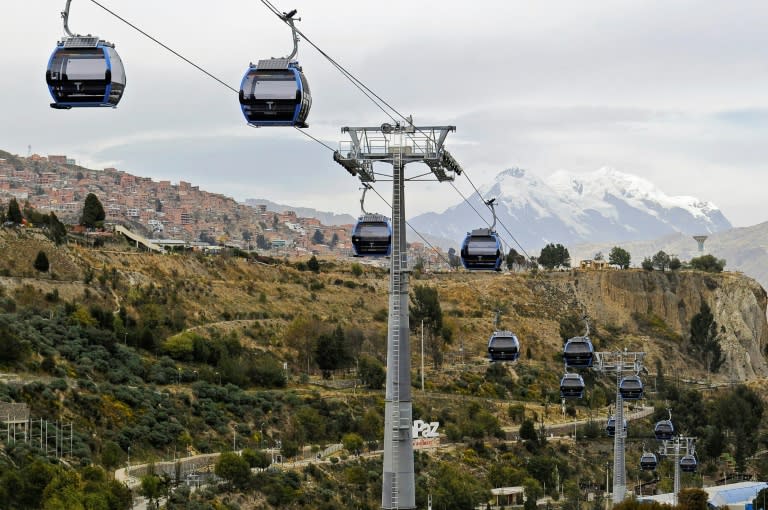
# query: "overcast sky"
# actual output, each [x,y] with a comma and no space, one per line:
[673,90]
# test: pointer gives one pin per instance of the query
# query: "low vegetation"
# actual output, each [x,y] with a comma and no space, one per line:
[159,357]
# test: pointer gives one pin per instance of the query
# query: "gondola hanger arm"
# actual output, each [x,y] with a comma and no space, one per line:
[288,17]
[65,18]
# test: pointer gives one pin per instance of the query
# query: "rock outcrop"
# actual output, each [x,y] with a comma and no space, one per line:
[738,304]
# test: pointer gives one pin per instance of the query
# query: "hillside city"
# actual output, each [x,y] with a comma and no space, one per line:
[175,211]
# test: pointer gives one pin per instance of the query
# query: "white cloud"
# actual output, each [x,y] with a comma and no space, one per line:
[673,91]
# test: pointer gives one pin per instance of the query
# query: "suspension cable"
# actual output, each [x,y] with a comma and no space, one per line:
[304,132]
[500,222]
[370,94]
[438,252]
[185,59]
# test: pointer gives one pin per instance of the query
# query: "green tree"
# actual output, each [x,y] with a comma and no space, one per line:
[528,431]
[14,212]
[318,237]
[352,442]
[111,455]
[456,488]
[234,469]
[12,347]
[660,261]
[151,486]
[334,240]
[425,305]
[41,262]
[331,353]
[371,372]
[554,255]
[620,257]
[692,499]
[708,263]
[675,264]
[57,232]
[704,338]
[256,458]
[313,264]
[647,264]
[740,412]
[93,212]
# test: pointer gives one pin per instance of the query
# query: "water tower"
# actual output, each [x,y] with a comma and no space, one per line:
[700,240]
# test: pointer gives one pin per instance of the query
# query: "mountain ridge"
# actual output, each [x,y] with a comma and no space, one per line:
[568,208]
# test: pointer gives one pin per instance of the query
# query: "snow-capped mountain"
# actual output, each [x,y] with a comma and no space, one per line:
[566,208]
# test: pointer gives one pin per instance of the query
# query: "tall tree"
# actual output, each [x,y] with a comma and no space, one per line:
[318,237]
[620,257]
[14,212]
[554,255]
[704,338]
[425,305]
[660,260]
[647,264]
[56,229]
[93,212]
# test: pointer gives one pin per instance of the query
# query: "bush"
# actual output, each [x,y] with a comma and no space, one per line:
[708,263]
[234,469]
[41,262]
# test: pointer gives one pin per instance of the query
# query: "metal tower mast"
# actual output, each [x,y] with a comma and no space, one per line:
[619,362]
[397,145]
[672,449]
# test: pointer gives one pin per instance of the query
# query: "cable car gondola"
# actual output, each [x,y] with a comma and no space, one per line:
[481,250]
[664,430]
[631,388]
[372,236]
[503,346]
[571,386]
[578,352]
[688,463]
[610,426]
[84,71]
[275,92]
[648,461]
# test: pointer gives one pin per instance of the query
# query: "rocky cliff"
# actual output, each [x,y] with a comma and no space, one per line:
[738,303]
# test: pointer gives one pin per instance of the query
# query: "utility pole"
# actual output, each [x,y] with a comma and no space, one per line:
[397,145]
[422,355]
